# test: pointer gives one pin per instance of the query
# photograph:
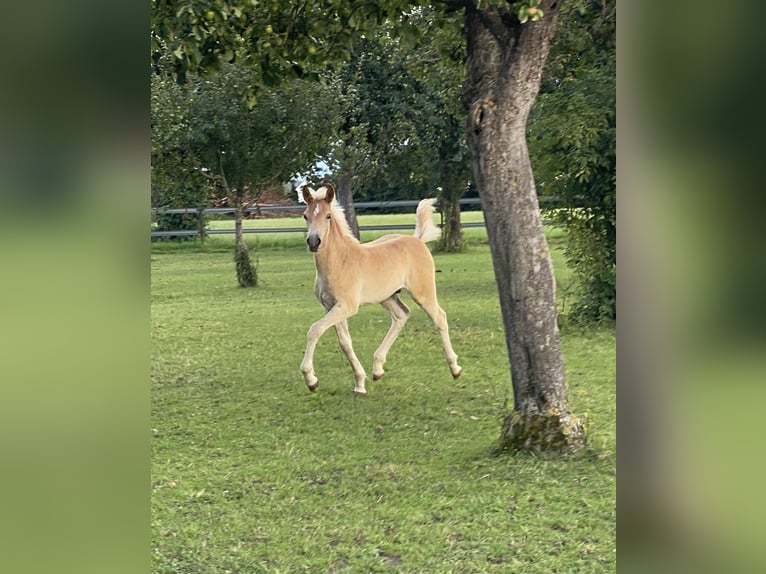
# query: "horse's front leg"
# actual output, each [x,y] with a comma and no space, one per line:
[334,316]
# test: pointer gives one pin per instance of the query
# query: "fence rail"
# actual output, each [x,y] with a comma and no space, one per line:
[271,207]
[300,207]
[192,232]
[258,208]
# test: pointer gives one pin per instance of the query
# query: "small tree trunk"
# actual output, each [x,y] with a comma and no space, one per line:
[452,230]
[346,198]
[246,274]
[238,223]
[504,68]
[201,225]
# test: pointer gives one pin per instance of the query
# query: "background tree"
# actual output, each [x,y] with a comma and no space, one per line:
[378,125]
[223,133]
[438,60]
[402,132]
[175,177]
[239,149]
[572,134]
[507,44]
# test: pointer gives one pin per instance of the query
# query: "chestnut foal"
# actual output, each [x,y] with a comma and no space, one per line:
[350,274]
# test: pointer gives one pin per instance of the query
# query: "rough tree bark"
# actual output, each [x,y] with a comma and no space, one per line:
[449,197]
[346,197]
[453,183]
[452,231]
[246,275]
[504,67]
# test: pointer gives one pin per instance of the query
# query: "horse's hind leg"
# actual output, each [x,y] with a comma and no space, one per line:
[399,314]
[344,339]
[427,300]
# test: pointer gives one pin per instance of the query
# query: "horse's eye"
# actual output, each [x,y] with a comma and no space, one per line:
[328,216]
[304,217]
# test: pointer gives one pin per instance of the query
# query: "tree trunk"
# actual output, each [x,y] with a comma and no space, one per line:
[346,198]
[505,63]
[201,225]
[238,223]
[449,196]
[246,274]
[452,231]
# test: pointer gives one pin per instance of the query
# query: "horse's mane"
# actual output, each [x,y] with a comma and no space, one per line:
[339,214]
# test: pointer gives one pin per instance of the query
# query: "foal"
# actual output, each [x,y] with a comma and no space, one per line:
[350,274]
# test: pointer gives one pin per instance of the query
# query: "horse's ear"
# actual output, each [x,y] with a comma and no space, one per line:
[330,193]
[304,190]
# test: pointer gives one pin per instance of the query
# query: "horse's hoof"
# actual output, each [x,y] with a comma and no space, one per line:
[359,393]
[460,372]
[377,377]
[313,387]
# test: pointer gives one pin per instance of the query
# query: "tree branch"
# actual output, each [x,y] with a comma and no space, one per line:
[225,182]
[455,5]
[607,15]
[210,176]
[532,41]
[501,23]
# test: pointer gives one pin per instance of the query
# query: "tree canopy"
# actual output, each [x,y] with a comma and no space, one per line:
[276,39]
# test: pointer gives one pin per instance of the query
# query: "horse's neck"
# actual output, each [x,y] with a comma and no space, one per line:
[339,248]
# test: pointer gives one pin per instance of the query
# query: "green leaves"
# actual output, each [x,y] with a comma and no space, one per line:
[572,146]
[529,10]
[402,116]
[278,38]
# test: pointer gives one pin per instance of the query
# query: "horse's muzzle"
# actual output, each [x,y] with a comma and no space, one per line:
[313,243]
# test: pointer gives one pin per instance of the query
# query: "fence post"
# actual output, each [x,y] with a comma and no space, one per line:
[201,227]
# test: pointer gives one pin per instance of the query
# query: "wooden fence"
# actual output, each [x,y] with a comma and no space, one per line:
[259,208]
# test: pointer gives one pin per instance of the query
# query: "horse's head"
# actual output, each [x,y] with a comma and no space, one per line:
[318,214]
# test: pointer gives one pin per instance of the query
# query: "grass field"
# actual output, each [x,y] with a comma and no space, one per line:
[252,473]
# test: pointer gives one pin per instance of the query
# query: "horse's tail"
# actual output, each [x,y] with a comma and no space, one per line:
[425,229]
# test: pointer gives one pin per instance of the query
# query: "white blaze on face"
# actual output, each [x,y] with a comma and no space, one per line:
[316,211]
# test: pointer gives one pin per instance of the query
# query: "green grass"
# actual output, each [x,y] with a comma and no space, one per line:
[252,473]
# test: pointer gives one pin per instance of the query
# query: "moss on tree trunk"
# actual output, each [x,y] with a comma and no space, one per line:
[246,274]
[534,432]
